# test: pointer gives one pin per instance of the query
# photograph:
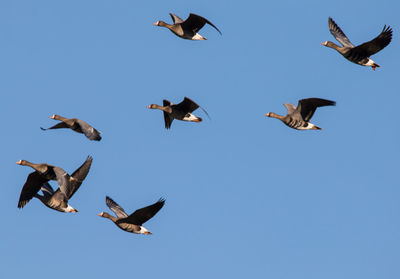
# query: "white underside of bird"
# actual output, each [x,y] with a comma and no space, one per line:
[143,230]
[191,117]
[197,36]
[309,126]
[69,209]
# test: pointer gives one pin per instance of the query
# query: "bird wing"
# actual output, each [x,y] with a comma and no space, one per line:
[90,132]
[57,126]
[176,18]
[307,107]
[167,116]
[47,189]
[64,181]
[79,175]
[32,185]
[187,105]
[195,23]
[116,208]
[369,48]
[290,108]
[144,214]
[338,33]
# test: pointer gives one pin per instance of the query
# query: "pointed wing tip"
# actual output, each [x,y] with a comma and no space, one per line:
[43,129]
[161,200]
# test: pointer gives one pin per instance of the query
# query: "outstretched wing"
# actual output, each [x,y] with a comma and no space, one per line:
[370,48]
[118,210]
[195,23]
[57,126]
[90,132]
[79,175]
[338,33]
[32,185]
[176,18]
[144,214]
[307,107]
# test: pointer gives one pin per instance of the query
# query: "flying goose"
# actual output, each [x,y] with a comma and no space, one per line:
[187,29]
[298,118]
[358,54]
[77,125]
[182,111]
[38,180]
[132,223]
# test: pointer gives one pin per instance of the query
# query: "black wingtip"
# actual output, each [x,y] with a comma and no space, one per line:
[161,201]
[43,129]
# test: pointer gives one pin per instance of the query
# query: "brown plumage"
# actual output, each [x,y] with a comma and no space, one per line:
[38,180]
[77,125]
[132,223]
[187,29]
[358,54]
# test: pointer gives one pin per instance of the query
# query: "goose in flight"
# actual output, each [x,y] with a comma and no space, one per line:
[299,117]
[358,54]
[182,111]
[38,180]
[77,125]
[132,223]
[187,29]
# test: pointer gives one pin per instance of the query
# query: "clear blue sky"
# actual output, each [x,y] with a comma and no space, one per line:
[246,196]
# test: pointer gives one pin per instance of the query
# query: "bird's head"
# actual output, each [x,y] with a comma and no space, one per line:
[21,162]
[160,23]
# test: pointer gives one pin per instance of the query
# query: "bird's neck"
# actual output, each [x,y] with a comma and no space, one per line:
[277,116]
[334,46]
[164,24]
[58,117]
[166,109]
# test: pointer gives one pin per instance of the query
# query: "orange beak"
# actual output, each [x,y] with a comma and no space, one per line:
[147,233]
[19,162]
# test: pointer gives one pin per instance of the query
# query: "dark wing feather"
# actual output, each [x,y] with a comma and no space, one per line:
[187,105]
[369,48]
[57,126]
[167,116]
[307,107]
[144,214]
[195,23]
[338,33]
[176,18]
[116,208]
[90,132]
[32,185]
[79,175]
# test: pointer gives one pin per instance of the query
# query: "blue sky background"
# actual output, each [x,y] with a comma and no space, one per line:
[246,196]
